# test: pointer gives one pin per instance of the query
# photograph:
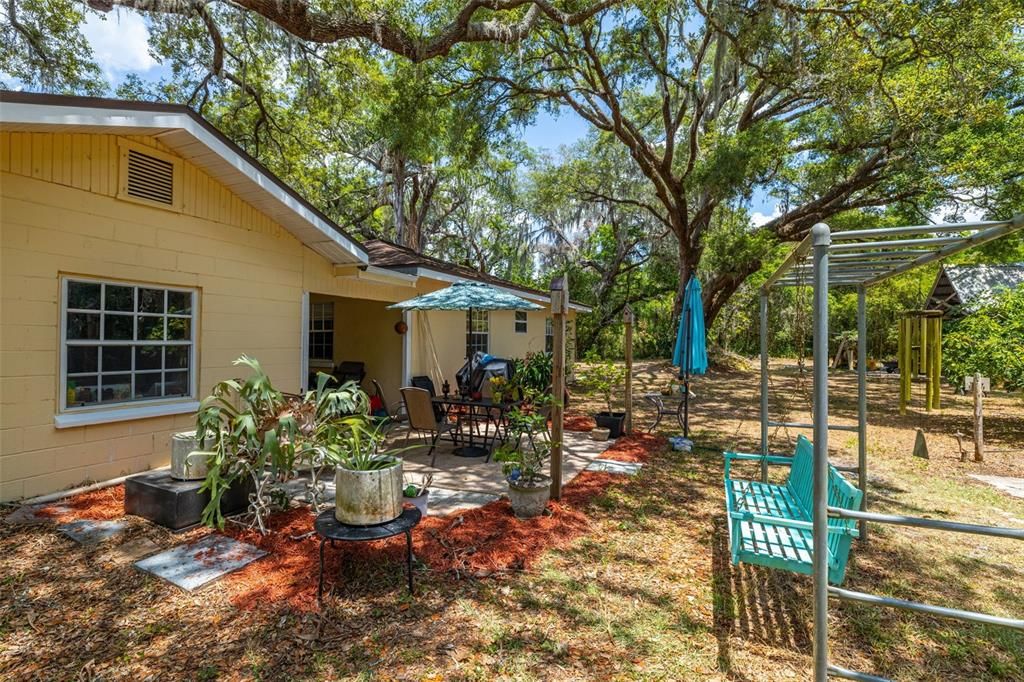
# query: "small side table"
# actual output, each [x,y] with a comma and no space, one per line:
[330,528]
[657,401]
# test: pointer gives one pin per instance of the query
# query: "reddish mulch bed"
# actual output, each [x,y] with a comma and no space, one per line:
[579,422]
[480,542]
[100,505]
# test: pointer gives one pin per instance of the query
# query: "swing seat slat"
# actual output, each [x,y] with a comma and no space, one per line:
[770,523]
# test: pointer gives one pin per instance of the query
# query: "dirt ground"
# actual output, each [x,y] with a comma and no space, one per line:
[647,592]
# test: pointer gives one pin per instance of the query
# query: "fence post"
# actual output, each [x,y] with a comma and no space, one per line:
[559,310]
[628,318]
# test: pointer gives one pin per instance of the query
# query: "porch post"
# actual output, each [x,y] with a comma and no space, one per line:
[821,241]
[559,311]
[304,344]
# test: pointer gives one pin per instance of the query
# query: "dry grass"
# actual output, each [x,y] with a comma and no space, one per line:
[647,593]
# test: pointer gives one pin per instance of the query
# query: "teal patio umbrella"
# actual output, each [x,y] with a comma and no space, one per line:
[691,355]
[467,296]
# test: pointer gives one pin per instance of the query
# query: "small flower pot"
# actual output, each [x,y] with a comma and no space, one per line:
[529,499]
[599,434]
[420,501]
[613,421]
[368,498]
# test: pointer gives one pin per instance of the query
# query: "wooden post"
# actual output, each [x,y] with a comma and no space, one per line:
[559,311]
[628,318]
[979,427]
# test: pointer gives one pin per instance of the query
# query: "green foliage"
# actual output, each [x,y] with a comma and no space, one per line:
[532,374]
[989,341]
[523,457]
[603,378]
[253,431]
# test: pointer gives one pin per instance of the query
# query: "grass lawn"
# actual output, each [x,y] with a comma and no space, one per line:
[647,592]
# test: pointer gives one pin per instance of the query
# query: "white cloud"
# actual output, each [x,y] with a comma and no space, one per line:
[119,42]
[757,219]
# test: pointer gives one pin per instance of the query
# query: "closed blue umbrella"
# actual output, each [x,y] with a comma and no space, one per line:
[691,354]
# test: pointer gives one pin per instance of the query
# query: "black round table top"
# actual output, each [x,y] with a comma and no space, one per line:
[331,528]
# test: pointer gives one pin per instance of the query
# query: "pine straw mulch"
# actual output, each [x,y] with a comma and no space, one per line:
[480,542]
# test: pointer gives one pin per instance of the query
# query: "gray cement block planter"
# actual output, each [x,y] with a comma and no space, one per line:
[529,500]
[367,498]
[188,460]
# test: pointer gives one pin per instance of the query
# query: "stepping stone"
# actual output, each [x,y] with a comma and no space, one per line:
[90,532]
[130,552]
[26,515]
[444,500]
[193,565]
[613,467]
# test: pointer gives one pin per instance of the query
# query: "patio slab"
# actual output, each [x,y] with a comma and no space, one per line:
[445,501]
[130,552]
[90,532]
[194,565]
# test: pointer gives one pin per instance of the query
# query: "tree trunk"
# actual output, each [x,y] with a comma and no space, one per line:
[398,196]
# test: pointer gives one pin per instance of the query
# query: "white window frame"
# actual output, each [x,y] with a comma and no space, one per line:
[320,362]
[549,335]
[524,321]
[104,412]
[470,332]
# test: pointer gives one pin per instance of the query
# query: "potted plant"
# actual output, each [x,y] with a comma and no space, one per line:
[417,492]
[529,488]
[367,481]
[604,378]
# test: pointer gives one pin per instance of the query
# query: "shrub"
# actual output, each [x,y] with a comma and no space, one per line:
[989,341]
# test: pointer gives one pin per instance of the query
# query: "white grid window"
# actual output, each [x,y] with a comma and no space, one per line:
[477,328]
[520,322]
[549,336]
[321,331]
[125,343]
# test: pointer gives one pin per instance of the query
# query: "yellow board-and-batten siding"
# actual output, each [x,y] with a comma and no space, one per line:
[59,216]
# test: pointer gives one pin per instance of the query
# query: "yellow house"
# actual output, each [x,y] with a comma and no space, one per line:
[141,252]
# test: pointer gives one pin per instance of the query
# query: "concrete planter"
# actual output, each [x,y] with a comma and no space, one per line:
[612,421]
[531,500]
[368,498]
[188,460]
[420,502]
[599,434]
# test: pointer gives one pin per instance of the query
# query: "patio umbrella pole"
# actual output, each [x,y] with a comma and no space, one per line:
[686,377]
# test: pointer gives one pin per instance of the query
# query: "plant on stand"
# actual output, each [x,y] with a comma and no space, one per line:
[523,461]
[257,434]
[604,378]
[417,491]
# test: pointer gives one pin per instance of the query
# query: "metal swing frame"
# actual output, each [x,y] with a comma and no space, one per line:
[861,259]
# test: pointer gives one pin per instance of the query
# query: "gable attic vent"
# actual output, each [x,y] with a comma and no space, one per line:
[150,178]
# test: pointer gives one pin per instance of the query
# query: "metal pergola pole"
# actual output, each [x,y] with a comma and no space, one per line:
[862,404]
[821,242]
[763,332]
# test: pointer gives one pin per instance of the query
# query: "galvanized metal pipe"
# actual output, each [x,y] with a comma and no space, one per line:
[906,253]
[897,243]
[795,255]
[803,425]
[862,404]
[933,524]
[763,333]
[836,671]
[939,228]
[821,242]
[976,239]
[930,609]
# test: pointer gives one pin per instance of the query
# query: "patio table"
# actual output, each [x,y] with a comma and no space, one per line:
[675,407]
[331,529]
[482,409]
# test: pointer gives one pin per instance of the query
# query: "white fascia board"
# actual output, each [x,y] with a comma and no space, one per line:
[447,277]
[56,115]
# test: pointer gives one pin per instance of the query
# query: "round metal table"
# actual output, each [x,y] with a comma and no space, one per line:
[330,528]
[657,401]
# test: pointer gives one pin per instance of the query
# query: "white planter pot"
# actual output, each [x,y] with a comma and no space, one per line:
[529,501]
[188,461]
[368,498]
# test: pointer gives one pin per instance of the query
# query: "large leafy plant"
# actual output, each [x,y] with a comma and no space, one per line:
[255,432]
[523,459]
[533,373]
